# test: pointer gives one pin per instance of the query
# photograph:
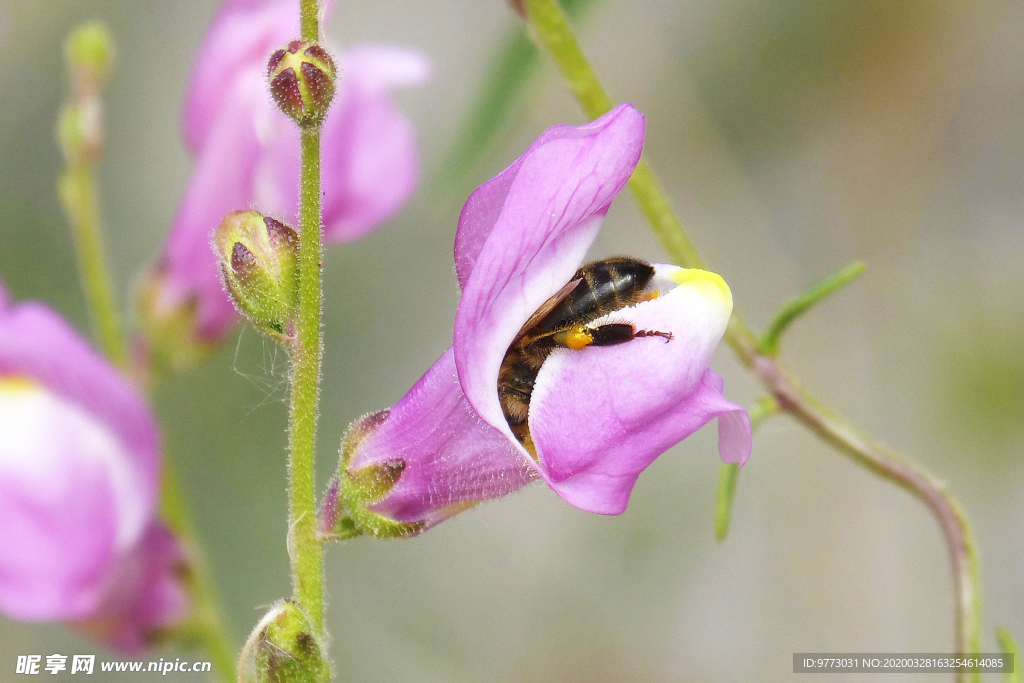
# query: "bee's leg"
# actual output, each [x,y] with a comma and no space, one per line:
[580,337]
[667,336]
[620,333]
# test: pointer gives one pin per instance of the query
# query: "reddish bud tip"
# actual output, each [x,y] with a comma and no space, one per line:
[242,260]
[259,265]
[302,79]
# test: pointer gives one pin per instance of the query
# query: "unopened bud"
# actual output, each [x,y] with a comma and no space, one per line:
[302,81]
[90,54]
[80,131]
[169,340]
[259,267]
[284,647]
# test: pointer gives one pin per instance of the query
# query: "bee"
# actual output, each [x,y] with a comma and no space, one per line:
[595,290]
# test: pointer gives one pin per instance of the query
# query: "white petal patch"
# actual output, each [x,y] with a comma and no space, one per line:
[44,438]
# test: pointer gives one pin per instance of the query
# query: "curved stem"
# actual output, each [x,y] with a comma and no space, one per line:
[805,301]
[553,33]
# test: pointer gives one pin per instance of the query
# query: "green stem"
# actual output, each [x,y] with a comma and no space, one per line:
[81,138]
[769,344]
[309,18]
[79,195]
[207,616]
[554,35]
[1008,646]
[305,546]
[729,472]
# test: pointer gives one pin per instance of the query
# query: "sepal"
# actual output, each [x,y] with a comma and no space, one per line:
[345,512]
[259,268]
[284,648]
[302,82]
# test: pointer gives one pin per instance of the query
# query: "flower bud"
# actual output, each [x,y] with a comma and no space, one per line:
[89,51]
[170,336]
[302,81]
[259,268]
[80,132]
[283,647]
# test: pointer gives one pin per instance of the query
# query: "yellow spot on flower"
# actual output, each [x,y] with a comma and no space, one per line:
[707,282]
[17,384]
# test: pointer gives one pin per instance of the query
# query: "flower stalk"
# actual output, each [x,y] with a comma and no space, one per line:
[305,546]
[554,35]
[89,52]
[207,625]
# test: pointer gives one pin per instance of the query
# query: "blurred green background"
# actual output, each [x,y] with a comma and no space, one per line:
[794,136]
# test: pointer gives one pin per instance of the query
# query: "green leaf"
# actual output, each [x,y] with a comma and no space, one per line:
[769,344]
[1008,646]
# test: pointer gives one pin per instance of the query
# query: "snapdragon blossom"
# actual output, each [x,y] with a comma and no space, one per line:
[598,416]
[247,154]
[79,477]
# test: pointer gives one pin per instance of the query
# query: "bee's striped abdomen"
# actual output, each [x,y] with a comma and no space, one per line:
[605,286]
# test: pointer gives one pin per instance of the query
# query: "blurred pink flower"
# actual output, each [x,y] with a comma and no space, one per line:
[79,471]
[247,152]
[598,417]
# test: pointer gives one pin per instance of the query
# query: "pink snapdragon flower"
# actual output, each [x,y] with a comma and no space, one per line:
[79,473]
[247,152]
[599,416]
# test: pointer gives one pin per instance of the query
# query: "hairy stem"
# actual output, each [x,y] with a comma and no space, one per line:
[309,19]
[554,35]
[304,545]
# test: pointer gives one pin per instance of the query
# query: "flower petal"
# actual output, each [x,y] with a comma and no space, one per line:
[522,236]
[221,182]
[382,67]
[144,594]
[68,501]
[36,343]
[599,416]
[243,35]
[451,458]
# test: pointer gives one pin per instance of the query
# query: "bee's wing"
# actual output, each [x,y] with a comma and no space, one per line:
[549,305]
